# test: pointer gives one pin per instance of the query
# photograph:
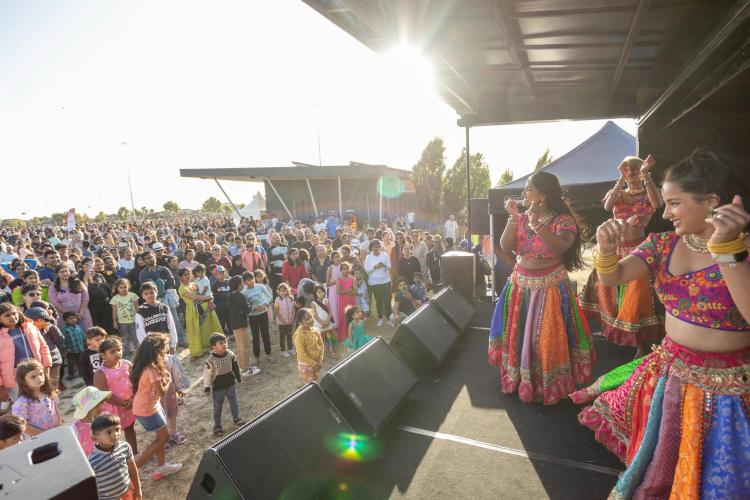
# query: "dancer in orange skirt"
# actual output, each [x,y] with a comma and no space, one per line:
[539,338]
[629,314]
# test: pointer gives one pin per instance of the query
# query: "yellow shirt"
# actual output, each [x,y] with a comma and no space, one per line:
[309,345]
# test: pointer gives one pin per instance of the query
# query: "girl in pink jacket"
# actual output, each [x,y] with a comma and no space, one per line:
[19,340]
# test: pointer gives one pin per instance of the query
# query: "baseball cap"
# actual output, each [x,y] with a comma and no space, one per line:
[87,399]
[157,246]
[35,313]
[220,269]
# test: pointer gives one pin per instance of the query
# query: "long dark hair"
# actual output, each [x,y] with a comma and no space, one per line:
[74,284]
[149,354]
[6,307]
[549,185]
[704,173]
[320,302]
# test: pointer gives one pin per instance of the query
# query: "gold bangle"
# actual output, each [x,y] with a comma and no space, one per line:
[737,245]
[607,270]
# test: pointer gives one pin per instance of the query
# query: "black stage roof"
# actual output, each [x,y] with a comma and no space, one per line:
[512,61]
[297,171]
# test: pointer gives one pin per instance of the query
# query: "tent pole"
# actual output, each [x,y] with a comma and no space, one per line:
[279,197]
[227,197]
[468,186]
[380,189]
[312,198]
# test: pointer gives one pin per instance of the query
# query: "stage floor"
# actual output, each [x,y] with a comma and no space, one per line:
[456,436]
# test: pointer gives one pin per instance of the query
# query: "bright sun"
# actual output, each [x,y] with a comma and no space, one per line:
[407,71]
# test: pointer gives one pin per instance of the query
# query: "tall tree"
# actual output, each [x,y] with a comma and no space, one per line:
[505,177]
[211,205]
[171,206]
[123,213]
[543,160]
[454,187]
[427,175]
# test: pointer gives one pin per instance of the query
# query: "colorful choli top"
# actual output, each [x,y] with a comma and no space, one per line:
[642,209]
[532,245]
[699,297]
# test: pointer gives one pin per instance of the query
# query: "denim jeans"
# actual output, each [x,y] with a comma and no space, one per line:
[218,395]
[172,300]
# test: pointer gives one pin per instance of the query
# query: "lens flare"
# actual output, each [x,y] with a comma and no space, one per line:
[353,447]
[390,186]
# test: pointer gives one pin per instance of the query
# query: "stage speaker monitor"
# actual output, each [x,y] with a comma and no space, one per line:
[51,465]
[286,452]
[368,386]
[480,216]
[455,307]
[423,339]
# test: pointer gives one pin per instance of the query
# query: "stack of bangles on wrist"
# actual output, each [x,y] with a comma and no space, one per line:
[729,252]
[605,264]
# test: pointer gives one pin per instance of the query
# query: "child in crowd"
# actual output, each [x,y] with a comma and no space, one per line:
[153,316]
[75,342]
[221,373]
[12,429]
[293,270]
[322,320]
[346,293]
[418,290]
[169,401]
[262,279]
[203,284]
[30,277]
[150,380]
[37,399]
[404,305]
[238,312]
[309,347]
[112,460]
[221,290]
[88,405]
[90,359]
[52,336]
[124,306]
[285,311]
[258,297]
[355,321]
[362,292]
[114,375]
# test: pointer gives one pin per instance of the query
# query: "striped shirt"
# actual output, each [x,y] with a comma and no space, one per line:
[111,468]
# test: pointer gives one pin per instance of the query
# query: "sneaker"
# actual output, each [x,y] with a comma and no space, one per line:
[218,431]
[285,354]
[239,422]
[165,470]
[253,370]
[380,322]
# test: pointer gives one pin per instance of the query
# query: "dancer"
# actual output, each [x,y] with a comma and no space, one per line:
[539,338]
[628,313]
[679,418]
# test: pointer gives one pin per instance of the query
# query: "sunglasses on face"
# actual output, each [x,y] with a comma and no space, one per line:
[33,294]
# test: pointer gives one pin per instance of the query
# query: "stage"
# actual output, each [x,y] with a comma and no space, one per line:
[456,436]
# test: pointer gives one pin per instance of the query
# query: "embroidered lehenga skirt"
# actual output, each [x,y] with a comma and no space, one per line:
[539,338]
[680,421]
[629,314]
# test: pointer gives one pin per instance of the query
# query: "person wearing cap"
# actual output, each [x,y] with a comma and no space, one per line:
[88,405]
[221,291]
[52,336]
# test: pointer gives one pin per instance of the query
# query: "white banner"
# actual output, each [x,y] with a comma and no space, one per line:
[71,219]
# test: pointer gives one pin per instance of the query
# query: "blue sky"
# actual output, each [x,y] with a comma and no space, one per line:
[193,84]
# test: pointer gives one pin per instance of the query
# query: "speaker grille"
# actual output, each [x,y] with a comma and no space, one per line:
[429,326]
[457,308]
[285,444]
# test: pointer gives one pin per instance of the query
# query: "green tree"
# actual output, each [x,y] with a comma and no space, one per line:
[454,186]
[123,213]
[58,218]
[171,206]
[427,175]
[100,217]
[543,160]
[505,177]
[211,205]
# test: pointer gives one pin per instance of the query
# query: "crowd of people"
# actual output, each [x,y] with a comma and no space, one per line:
[113,302]
[678,416]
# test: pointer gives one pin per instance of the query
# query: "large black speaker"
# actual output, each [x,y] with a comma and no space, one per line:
[284,452]
[52,465]
[368,386]
[423,339]
[480,216]
[454,306]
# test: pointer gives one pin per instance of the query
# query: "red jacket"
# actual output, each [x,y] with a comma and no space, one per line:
[293,274]
[38,346]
